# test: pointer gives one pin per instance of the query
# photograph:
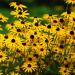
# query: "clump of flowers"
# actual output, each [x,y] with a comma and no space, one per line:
[20,10]
[40,46]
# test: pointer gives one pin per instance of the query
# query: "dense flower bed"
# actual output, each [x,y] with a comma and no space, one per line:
[34,46]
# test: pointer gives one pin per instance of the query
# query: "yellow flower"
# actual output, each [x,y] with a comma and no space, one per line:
[58,31]
[70,1]
[41,50]
[64,71]
[31,57]
[3,56]
[29,66]
[17,31]
[3,18]
[19,24]
[70,34]
[17,5]
[55,21]
[19,14]
[13,42]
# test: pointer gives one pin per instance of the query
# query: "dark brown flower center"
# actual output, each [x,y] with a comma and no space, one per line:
[46,40]
[22,22]
[34,44]
[18,30]
[36,55]
[73,19]
[67,65]
[57,29]
[42,49]
[65,58]
[13,40]
[20,13]
[32,36]
[72,32]
[18,51]
[61,20]
[55,21]
[6,37]
[12,24]
[30,59]
[61,46]
[24,44]
[49,26]
[0,18]
[1,56]
[35,33]
[36,24]
[65,71]
[29,65]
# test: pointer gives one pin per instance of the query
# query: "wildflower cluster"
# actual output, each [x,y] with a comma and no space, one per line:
[33,45]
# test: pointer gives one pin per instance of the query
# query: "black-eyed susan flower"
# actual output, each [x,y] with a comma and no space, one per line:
[29,66]
[64,71]
[19,14]
[31,58]
[41,50]
[17,5]
[54,21]
[3,18]
[13,42]
[16,31]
